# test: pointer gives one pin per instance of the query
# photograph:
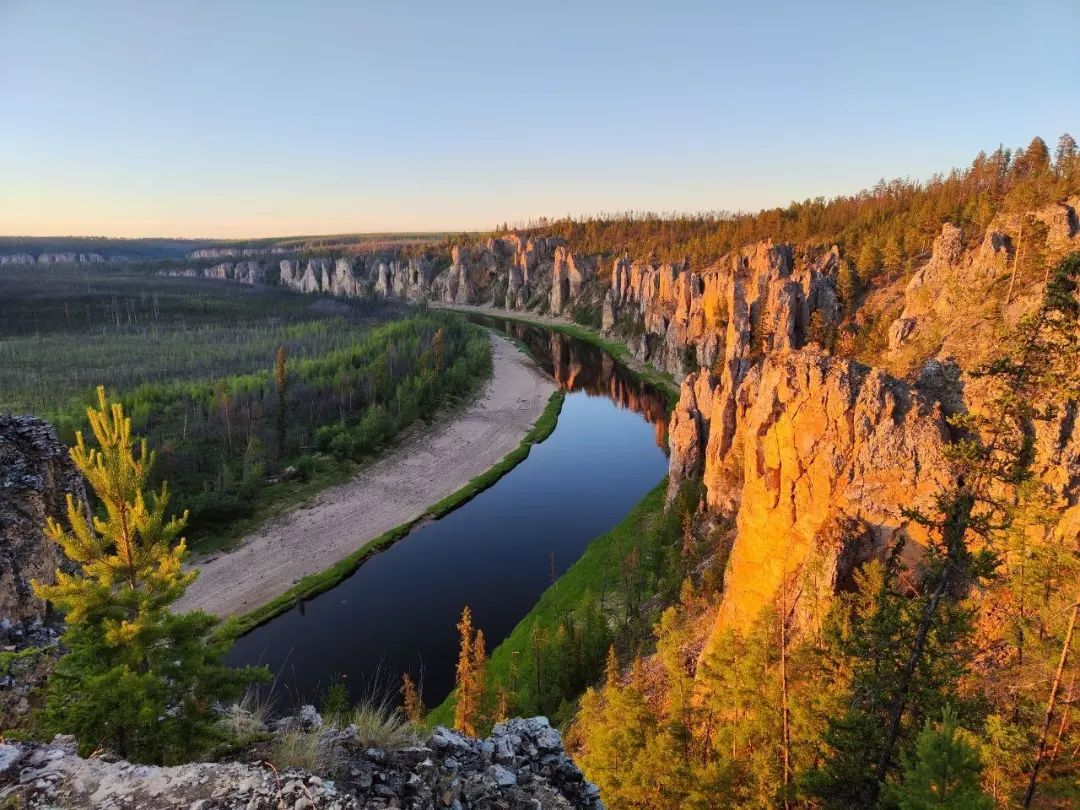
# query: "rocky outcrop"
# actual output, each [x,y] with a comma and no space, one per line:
[762,295]
[512,272]
[230,252]
[521,765]
[36,475]
[803,444]
[46,259]
[954,302]
[813,457]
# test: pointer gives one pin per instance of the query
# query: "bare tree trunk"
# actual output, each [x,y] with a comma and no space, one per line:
[1050,704]
[954,529]
[1064,725]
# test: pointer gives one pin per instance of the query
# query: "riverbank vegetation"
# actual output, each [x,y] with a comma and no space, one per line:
[611,595]
[324,580]
[237,387]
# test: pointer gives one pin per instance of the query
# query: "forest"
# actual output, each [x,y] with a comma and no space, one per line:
[887,227]
[236,387]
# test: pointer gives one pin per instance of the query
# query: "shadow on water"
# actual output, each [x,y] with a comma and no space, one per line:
[497,553]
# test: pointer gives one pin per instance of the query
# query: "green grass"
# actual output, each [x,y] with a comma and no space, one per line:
[595,572]
[318,583]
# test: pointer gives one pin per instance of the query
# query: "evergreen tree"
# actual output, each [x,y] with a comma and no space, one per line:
[137,679]
[905,655]
[869,261]
[944,771]
[848,285]
[472,662]
[411,703]
[280,415]
[1065,155]
[614,727]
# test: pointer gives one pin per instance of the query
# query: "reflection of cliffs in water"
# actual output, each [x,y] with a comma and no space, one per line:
[579,366]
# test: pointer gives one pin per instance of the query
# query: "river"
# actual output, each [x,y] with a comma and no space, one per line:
[497,552]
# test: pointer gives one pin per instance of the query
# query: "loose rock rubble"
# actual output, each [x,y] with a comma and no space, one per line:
[521,765]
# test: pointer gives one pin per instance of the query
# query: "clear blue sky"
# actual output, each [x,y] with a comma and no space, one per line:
[256,118]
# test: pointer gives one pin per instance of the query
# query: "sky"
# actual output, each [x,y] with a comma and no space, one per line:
[241,119]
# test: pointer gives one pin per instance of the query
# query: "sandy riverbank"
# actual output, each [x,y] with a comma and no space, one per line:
[392,491]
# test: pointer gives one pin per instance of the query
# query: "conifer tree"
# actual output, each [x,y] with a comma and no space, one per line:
[944,772]
[869,259]
[472,663]
[137,679]
[280,416]
[411,702]
[848,284]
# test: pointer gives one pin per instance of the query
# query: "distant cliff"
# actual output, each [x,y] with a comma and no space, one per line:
[45,259]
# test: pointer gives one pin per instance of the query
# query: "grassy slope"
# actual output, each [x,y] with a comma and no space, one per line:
[317,583]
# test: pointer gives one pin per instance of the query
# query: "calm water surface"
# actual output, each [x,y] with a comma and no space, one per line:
[497,553]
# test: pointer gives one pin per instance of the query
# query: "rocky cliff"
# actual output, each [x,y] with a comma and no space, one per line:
[45,259]
[521,765]
[36,476]
[812,456]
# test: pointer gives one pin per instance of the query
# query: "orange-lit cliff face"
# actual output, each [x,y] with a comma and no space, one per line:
[814,456]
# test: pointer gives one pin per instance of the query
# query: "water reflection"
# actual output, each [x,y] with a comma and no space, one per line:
[579,366]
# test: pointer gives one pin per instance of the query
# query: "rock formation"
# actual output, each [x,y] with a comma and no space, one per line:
[813,457]
[46,259]
[36,475]
[522,764]
[801,444]
[953,303]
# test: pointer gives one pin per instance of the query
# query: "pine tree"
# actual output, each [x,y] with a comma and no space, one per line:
[472,662]
[848,285]
[411,702]
[892,256]
[137,679]
[944,772]
[615,728]
[1065,155]
[869,261]
[904,656]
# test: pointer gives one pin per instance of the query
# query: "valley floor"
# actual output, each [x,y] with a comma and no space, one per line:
[394,490]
